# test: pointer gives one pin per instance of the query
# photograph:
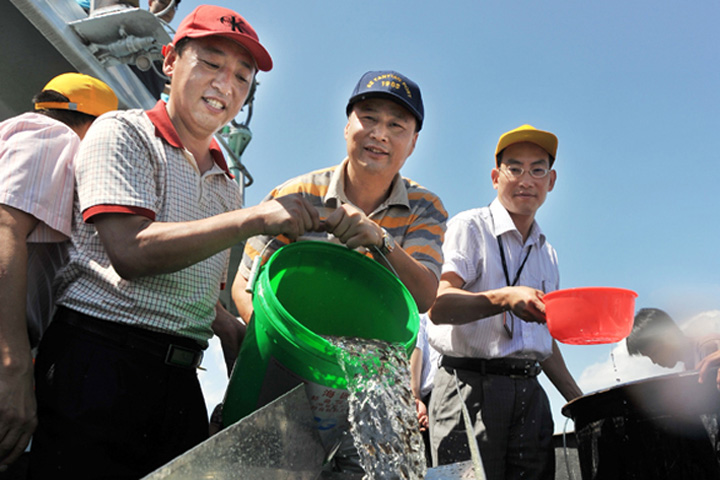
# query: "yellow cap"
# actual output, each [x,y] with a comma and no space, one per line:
[527,133]
[86,94]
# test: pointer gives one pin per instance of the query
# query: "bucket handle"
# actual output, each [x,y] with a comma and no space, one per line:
[254,270]
[376,249]
[250,286]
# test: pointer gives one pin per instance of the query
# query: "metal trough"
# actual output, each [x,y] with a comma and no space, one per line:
[277,442]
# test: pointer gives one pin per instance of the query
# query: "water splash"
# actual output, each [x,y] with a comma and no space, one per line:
[382,411]
[612,357]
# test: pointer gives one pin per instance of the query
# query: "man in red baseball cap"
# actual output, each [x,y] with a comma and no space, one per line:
[156,215]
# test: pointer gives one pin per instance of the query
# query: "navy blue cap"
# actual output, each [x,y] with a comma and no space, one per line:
[393,86]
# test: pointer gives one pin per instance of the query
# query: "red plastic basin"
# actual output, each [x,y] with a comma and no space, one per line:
[590,315]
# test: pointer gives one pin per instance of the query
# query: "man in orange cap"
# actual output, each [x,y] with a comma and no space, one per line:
[156,215]
[488,321]
[36,194]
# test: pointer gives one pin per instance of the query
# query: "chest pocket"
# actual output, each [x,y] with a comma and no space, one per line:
[538,282]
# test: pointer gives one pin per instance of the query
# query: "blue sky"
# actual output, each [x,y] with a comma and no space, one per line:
[630,89]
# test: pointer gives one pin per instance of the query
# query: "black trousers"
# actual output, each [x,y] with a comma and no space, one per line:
[106,411]
[511,420]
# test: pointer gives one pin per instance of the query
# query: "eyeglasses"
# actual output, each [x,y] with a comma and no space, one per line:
[515,172]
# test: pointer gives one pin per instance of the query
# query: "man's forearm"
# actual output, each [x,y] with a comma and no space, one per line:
[416,372]
[241,298]
[17,400]
[15,226]
[15,355]
[556,370]
[139,247]
[455,306]
[420,281]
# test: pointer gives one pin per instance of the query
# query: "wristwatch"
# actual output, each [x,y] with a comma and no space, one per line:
[388,242]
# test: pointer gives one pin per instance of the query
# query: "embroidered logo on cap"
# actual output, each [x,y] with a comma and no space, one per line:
[235,24]
[392,81]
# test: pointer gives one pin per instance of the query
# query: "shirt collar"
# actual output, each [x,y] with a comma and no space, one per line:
[164,129]
[502,223]
[336,189]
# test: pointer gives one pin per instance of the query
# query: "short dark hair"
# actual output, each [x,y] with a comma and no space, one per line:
[70,118]
[181,44]
[649,325]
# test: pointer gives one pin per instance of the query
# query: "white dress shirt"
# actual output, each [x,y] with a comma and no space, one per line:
[472,252]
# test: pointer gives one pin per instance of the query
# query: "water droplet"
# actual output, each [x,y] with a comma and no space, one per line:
[617,377]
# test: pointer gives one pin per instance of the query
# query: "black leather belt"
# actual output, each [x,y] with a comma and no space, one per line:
[172,349]
[512,367]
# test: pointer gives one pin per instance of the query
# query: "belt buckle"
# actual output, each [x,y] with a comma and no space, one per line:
[178,356]
[533,370]
[529,370]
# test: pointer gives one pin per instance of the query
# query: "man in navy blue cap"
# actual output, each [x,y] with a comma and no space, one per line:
[364,202]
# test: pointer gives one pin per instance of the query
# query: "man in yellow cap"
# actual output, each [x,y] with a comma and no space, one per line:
[36,196]
[488,321]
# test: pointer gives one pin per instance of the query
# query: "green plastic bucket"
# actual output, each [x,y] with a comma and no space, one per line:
[305,290]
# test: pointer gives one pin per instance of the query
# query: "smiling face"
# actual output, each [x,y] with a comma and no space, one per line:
[211,79]
[523,196]
[380,135]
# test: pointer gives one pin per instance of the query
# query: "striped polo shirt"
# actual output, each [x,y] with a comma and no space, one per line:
[134,162]
[413,215]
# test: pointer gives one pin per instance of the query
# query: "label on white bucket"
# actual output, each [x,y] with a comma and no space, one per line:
[329,405]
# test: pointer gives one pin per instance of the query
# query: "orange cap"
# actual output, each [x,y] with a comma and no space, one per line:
[527,133]
[86,94]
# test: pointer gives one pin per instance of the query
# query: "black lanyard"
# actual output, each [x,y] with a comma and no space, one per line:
[511,328]
[504,263]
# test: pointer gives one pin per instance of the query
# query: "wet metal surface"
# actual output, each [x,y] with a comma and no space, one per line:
[277,442]
[454,471]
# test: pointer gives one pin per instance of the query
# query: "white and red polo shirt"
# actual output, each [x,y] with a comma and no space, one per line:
[134,162]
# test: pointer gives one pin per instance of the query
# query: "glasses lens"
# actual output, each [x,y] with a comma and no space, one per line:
[514,172]
[517,172]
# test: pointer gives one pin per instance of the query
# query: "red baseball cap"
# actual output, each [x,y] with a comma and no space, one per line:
[208,20]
